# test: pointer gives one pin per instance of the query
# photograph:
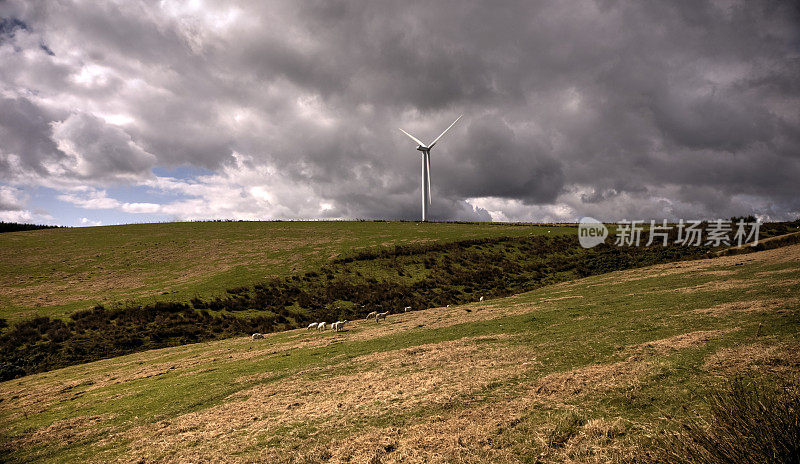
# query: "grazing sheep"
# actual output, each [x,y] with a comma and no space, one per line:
[380,316]
[257,336]
[481,299]
[372,314]
[447,306]
[321,326]
[313,325]
[407,309]
[338,325]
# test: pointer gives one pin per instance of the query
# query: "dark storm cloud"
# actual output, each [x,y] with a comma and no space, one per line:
[663,108]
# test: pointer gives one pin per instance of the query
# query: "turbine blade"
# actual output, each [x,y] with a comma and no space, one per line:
[442,134]
[428,165]
[412,137]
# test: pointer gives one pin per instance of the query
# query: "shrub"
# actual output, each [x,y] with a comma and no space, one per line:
[748,423]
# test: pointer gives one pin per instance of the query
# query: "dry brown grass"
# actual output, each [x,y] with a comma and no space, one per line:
[678,342]
[65,431]
[429,376]
[764,358]
[451,379]
[775,272]
[762,305]
[601,377]
[719,285]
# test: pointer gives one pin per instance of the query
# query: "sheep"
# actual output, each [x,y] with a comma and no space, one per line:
[407,309]
[481,299]
[257,336]
[380,316]
[339,325]
[313,325]
[372,314]
[321,326]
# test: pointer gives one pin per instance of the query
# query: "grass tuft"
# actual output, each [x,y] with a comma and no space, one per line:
[748,422]
[565,428]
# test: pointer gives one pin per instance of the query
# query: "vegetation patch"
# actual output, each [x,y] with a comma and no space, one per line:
[749,421]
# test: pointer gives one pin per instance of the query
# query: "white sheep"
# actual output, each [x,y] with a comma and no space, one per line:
[372,314]
[313,325]
[481,299]
[407,309]
[257,336]
[338,325]
[380,316]
[321,326]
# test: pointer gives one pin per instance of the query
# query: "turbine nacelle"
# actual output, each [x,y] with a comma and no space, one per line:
[426,167]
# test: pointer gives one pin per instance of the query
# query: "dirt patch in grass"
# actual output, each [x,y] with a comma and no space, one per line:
[661,270]
[64,431]
[782,359]
[749,306]
[604,377]
[445,317]
[593,378]
[775,272]
[558,298]
[375,387]
[21,399]
[718,272]
[678,342]
[718,285]
[464,436]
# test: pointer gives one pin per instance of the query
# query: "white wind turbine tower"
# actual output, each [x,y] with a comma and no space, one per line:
[426,167]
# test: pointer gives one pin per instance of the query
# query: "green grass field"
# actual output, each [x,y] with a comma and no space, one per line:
[55,272]
[582,371]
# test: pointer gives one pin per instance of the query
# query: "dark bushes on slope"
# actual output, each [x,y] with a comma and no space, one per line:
[42,343]
[386,279]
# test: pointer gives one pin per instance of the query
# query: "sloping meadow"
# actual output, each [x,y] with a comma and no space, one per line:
[589,370]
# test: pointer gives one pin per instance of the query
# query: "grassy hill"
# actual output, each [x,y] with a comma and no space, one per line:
[586,370]
[57,271]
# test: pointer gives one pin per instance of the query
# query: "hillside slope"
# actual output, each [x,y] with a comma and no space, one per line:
[583,370]
[55,272]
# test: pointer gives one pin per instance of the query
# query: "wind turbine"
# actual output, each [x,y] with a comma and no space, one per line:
[426,167]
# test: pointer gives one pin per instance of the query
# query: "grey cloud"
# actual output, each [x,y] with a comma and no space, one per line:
[9,25]
[491,160]
[10,199]
[25,133]
[101,151]
[636,102]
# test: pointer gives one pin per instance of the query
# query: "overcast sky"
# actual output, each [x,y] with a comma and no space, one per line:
[128,111]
